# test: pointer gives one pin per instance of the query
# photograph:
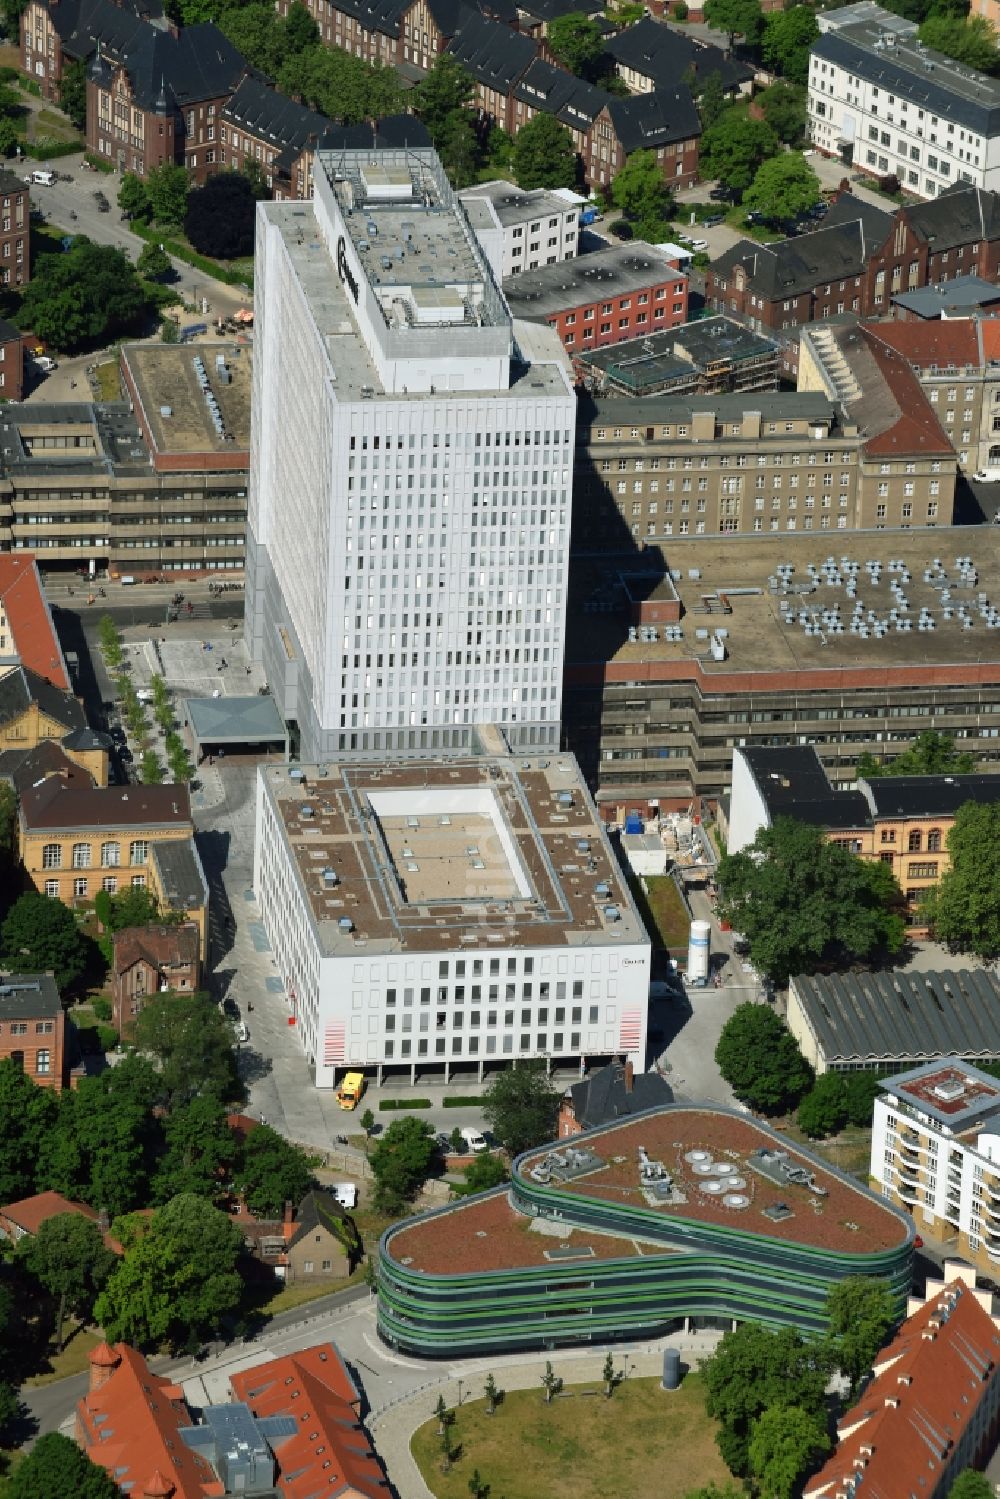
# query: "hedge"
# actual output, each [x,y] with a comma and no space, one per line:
[98,163]
[403,1103]
[50,151]
[462,1101]
[189,256]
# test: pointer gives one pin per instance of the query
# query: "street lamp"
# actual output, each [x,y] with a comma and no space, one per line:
[460,1392]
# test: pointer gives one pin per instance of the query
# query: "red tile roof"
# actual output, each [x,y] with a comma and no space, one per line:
[29,619]
[331,1453]
[941,341]
[160,946]
[917,429]
[929,1385]
[130,1427]
[989,332]
[31,1212]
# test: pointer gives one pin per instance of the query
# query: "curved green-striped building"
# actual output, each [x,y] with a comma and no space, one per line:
[629,1230]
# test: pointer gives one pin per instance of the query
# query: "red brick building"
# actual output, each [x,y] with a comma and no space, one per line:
[15,270]
[148,959]
[603,298]
[33,1028]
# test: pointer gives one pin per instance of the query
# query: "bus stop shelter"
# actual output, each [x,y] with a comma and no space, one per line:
[235,726]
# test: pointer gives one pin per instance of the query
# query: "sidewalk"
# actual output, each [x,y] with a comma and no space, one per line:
[392,1428]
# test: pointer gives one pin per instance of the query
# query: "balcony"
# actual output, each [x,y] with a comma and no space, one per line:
[907,1191]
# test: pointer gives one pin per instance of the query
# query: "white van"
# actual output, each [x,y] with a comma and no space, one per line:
[346,1193]
[41,179]
[474,1140]
[45,364]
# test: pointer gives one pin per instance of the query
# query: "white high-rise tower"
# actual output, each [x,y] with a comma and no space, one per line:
[411,471]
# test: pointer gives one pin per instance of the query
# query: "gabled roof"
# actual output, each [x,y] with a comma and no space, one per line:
[31,1212]
[916,428]
[605,1095]
[551,10]
[24,768]
[960,216]
[375,15]
[166,70]
[942,341]
[664,55]
[318,1210]
[384,134]
[649,121]
[80,24]
[28,616]
[21,687]
[314,1388]
[491,52]
[160,946]
[572,101]
[61,804]
[794,266]
[131,1425]
[930,1385]
[272,117]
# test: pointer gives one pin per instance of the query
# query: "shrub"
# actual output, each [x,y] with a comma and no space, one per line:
[463,1101]
[680,11]
[102,1007]
[386,1104]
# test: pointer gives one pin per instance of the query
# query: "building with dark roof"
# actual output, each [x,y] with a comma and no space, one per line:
[715,354]
[261,125]
[670,1219]
[57,32]
[931,1409]
[603,298]
[653,55]
[33,1028]
[609,1093]
[32,709]
[15,270]
[884,1022]
[963,297]
[945,116]
[855,264]
[177,879]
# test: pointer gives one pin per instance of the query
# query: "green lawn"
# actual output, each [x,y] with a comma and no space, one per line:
[643,1442]
[108,383]
[72,1360]
[669,913]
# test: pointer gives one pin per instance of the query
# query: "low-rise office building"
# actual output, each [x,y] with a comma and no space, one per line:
[936,1153]
[681,1217]
[884,1022]
[448,916]
[656,700]
[603,298]
[521,231]
[33,1031]
[884,103]
[712,355]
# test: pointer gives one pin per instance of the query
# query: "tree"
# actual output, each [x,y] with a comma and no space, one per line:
[458,148]
[85,297]
[788,35]
[446,89]
[521,1106]
[860,1092]
[69,1258]
[737,18]
[153,262]
[59,1469]
[800,900]
[456,1141]
[73,92]
[401,1162]
[150,769]
[784,107]
[734,147]
[861,1311]
[27,1114]
[930,754]
[641,193]
[823,1111]
[104,1138]
[200,1149]
[964,909]
[136,905]
[192,1042]
[40,935]
[177,1278]
[133,199]
[608,1376]
[711,100]
[785,1443]
[968,39]
[783,187]
[9,138]
[258,35]
[714,1492]
[167,192]
[577,42]
[760,1059]
[492,1395]
[221,216]
[551,1383]
[301,31]
[367,1122]
[544,154]
[477,1488]
[971,1485]
[753,1369]
[482,1173]
[272,1172]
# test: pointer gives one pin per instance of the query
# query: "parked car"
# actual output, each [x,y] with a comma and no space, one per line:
[722,194]
[242,1033]
[474,1141]
[699,246]
[346,1193]
[712,220]
[45,364]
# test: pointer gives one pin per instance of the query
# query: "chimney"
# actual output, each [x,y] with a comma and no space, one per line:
[103,1363]
[289,1211]
[629,1076]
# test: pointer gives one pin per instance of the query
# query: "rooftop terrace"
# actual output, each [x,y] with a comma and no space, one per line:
[951,1092]
[491,850]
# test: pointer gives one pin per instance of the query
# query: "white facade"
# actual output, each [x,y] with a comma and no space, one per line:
[481,994]
[749,813]
[520,231]
[410,486]
[949,1179]
[885,104]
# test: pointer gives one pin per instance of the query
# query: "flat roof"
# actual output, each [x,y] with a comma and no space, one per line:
[712,346]
[928,796]
[181,874]
[515,206]
[707,1156]
[965,292]
[235,720]
[464,852]
[873,1018]
[27,995]
[793,782]
[952,1093]
[588,278]
[174,382]
[726,581]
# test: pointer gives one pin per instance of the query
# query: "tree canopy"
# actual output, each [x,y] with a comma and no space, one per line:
[153,262]
[577,41]
[753,1370]
[784,107]
[167,193]
[68,1257]
[823,1110]
[221,216]
[968,39]
[783,187]
[544,155]
[640,192]
[272,1172]
[483,1172]
[760,1060]
[88,295]
[800,900]
[40,935]
[27,1113]
[133,199]
[177,1278]
[734,147]
[963,910]
[521,1106]
[785,1445]
[971,1485]
[401,1162]
[59,1469]
[862,1312]
[73,92]
[737,18]
[787,37]
[192,1043]
[930,754]
[199,1150]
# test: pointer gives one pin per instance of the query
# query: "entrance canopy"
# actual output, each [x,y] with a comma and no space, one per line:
[240,725]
